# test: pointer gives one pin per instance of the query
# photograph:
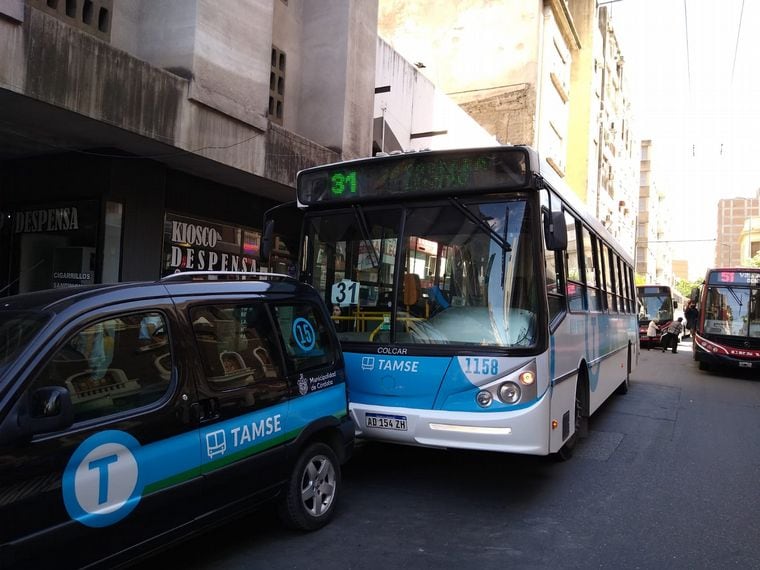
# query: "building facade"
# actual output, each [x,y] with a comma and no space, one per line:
[412,114]
[139,138]
[653,253]
[736,241]
[616,188]
[534,72]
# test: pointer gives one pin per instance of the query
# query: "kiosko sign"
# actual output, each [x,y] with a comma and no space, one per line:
[195,245]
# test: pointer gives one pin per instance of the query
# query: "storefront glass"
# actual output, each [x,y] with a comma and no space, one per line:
[52,247]
[191,244]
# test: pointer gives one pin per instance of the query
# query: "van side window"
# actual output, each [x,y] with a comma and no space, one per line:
[113,365]
[305,334]
[236,344]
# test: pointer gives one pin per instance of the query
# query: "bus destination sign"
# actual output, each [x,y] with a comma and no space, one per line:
[738,277]
[415,174]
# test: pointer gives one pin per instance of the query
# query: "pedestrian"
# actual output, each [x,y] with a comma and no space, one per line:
[692,315]
[670,338]
[651,333]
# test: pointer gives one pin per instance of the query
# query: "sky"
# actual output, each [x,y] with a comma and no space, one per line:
[695,91]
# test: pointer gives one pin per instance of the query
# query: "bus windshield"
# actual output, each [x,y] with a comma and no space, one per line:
[461,273]
[655,306]
[732,311]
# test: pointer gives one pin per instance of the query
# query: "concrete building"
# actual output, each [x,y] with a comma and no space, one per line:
[533,72]
[736,239]
[681,269]
[138,138]
[411,114]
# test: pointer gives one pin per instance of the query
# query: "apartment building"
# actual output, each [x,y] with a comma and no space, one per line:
[653,254]
[141,137]
[737,242]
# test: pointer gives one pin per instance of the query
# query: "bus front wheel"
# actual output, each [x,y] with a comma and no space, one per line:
[581,425]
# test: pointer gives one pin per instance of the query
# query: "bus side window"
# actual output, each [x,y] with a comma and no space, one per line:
[576,291]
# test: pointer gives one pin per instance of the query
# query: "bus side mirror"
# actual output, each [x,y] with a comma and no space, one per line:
[266,241]
[675,304]
[555,231]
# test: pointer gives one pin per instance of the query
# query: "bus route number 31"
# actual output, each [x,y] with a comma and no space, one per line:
[345,292]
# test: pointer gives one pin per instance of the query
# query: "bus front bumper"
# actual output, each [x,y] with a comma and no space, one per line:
[722,360]
[520,431]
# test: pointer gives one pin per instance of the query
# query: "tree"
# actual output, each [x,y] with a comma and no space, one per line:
[685,287]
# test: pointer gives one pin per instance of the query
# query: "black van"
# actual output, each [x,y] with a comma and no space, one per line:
[131,414]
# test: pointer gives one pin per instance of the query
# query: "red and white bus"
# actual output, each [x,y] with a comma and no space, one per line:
[728,330]
[656,303]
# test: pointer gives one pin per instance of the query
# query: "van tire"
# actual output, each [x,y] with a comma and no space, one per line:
[312,489]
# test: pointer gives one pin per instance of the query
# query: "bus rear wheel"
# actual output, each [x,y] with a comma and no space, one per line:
[581,426]
[623,388]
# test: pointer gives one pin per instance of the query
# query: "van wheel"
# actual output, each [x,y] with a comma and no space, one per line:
[581,427]
[312,490]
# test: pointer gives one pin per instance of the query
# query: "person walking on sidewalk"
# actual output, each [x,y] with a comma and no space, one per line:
[670,338]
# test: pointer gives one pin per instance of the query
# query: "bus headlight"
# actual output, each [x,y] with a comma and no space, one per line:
[516,386]
[484,398]
[509,392]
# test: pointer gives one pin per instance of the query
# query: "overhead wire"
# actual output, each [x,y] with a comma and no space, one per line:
[736,47]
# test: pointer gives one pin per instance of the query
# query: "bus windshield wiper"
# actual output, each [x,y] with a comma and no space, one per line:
[735,296]
[366,236]
[481,224]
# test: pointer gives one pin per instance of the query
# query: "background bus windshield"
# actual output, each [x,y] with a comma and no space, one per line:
[467,273]
[655,304]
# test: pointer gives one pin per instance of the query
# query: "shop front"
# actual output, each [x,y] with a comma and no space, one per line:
[68,222]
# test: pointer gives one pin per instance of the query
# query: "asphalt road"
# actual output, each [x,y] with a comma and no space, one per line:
[669,477]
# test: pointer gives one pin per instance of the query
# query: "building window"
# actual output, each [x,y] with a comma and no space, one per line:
[90,16]
[87,10]
[277,86]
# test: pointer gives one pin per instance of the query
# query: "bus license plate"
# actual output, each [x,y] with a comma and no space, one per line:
[383,421]
[745,364]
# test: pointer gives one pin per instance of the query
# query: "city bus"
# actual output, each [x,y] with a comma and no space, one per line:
[656,303]
[478,305]
[728,328]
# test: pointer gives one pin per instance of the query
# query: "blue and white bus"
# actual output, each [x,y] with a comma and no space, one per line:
[477,304]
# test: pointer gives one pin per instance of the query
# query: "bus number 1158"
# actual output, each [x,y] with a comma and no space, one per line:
[484,366]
